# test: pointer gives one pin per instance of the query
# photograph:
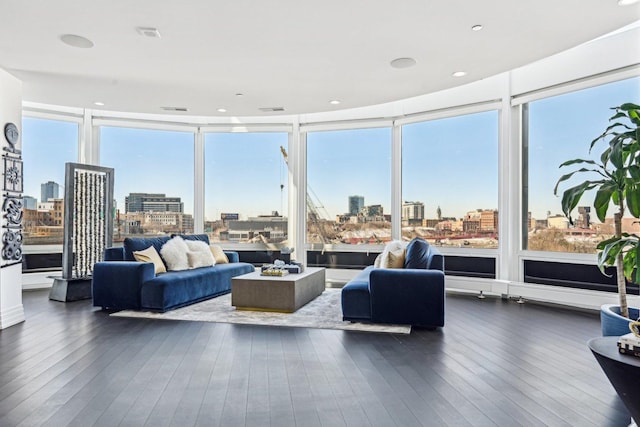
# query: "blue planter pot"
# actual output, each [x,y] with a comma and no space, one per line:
[612,323]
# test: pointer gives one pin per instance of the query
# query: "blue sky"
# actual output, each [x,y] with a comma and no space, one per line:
[451,163]
[561,128]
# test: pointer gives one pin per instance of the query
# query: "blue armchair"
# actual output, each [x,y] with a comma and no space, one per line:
[413,295]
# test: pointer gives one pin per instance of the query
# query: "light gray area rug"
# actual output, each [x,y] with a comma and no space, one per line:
[324,312]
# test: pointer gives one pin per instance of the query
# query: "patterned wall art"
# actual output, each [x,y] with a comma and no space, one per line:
[12,204]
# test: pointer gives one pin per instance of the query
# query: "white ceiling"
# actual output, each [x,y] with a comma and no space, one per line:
[296,54]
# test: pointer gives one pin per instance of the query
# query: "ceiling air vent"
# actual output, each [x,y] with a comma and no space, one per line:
[174,108]
[148,32]
[271,109]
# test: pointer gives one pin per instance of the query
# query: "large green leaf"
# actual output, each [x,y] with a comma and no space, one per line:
[609,250]
[629,246]
[603,198]
[604,157]
[577,161]
[630,263]
[571,196]
[616,157]
[633,197]
[569,175]
[628,106]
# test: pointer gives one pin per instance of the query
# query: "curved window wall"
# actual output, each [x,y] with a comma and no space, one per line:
[450,181]
[154,176]
[504,162]
[246,188]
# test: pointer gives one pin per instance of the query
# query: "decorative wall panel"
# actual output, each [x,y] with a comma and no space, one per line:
[12,203]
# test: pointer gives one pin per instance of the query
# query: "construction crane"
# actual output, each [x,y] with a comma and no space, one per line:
[313,211]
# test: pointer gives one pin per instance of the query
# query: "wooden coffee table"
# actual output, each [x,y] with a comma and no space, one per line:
[252,291]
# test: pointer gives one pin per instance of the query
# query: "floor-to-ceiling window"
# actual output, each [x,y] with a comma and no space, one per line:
[153,187]
[558,129]
[348,197]
[246,184]
[47,145]
[450,180]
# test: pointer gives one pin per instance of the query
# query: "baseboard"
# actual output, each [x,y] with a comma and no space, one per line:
[11,316]
[579,298]
[548,294]
[474,284]
[41,280]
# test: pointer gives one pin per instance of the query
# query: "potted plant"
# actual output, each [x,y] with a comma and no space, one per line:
[616,179]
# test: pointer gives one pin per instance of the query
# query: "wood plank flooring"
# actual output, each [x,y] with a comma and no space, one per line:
[495,363]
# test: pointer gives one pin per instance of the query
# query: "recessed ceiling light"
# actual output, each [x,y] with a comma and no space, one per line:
[99,103]
[239,95]
[334,102]
[222,110]
[74,40]
[459,74]
[626,2]
[403,62]
[476,27]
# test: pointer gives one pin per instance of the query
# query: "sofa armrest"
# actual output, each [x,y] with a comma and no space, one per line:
[233,256]
[117,285]
[114,254]
[407,296]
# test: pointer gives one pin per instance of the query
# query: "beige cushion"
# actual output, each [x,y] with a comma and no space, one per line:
[218,254]
[199,254]
[395,259]
[393,245]
[151,255]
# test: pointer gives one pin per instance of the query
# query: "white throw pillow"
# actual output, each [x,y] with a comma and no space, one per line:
[174,253]
[394,246]
[199,254]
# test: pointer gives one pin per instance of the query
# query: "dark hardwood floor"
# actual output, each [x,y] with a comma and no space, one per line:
[494,363]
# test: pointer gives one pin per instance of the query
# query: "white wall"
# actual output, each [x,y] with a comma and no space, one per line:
[11,310]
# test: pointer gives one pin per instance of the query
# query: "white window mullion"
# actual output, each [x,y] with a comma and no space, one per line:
[509,188]
[198,183]
[298,159]
[396,182]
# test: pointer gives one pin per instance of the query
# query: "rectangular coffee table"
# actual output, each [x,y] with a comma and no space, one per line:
[253,291]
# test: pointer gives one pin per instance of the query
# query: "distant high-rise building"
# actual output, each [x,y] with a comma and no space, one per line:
[29,202]
[356,203]
[49,190]
[584,217]
[147,202]
[413,211]
[489,220]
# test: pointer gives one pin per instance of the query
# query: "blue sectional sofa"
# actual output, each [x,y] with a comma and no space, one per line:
[120,282]
[413,295]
